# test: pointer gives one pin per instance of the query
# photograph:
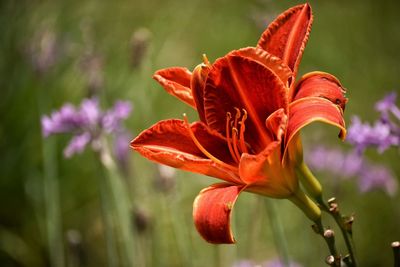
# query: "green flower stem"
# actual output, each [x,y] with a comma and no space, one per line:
[396,253]
[328,236]
[120,206]
[347,234]
[52,204]
[278,233]
[313,187]
[310,209]
[309,182]
[54,231]
[106,207]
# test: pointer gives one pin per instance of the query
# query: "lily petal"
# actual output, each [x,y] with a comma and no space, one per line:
[286,37]
[197,84]
[311,109]
[212,210]
[274,63]
[238,82]
[263,172]
[169,143]
[320,84]
[176,81]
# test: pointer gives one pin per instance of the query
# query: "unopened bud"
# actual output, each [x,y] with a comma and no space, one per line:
[330,260]
[348,222]
[332,200]
[142,220]
[329,233]
[396,244]
[139,46]
[165,180]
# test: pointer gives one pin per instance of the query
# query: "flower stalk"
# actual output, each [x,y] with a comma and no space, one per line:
[119,205]
[313,187]
[396,253]
[278,233]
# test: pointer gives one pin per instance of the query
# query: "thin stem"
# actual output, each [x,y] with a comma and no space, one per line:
[396,253]
[347,235]
[106,207]
[328,236]
[278,233]
[121,205]
[51,194]
[52,204]
[313,187]
[310,209]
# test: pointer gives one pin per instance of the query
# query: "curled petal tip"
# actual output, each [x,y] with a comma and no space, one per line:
[212,211]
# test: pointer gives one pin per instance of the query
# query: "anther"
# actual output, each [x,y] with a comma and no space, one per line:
[205,60]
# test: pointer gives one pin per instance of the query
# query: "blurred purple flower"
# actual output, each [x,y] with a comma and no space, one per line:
[346,165]
[383,134]
[269,263]
[43,50]
[87,124]
[122,149]
[387,105]
[112,119]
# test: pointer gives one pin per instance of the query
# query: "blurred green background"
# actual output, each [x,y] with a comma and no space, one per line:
[111,48]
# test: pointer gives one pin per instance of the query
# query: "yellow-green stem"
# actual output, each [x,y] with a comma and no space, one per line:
[310,209]
[308,180]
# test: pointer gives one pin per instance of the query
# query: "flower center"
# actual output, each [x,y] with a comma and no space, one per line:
[235,133]
[204,150]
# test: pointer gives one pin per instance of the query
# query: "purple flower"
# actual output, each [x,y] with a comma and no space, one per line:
[87,124]
[346,165]
[77,144]
[112,119]
[122,149]
[388,105]
[44,50]
[383,134]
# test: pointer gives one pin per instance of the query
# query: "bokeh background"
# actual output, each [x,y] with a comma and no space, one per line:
[54,52]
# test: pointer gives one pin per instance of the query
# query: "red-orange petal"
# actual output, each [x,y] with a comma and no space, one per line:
[197,84]
[272,62]
[311,109]
[212,211]
[238,82]
[320,84]
[168,142]
[176,81]
[263,172]
[286,37]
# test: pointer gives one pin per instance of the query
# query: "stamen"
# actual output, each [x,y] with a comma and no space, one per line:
[205,60]
[235,143]
[228,138]
[204,151]
[243,146]
[237,116]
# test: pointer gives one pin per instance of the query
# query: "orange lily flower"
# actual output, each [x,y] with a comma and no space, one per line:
[250,113]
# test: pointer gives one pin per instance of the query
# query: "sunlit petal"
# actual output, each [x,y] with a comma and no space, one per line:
[320,84]
[286,37]
[212,210]
[176,81]
[306,110]
[168,142]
